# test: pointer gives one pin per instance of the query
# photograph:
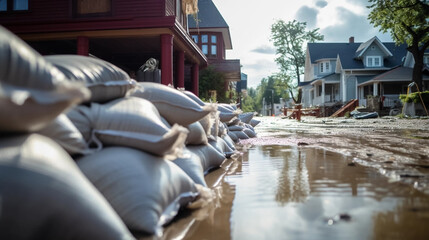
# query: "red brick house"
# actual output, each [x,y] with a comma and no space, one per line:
[125,33]
[211,32]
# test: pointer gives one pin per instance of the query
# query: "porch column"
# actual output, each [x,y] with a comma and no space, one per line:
[166,59]
[195,73]
[83,46]
[323,92]
[375,89]
[180,69]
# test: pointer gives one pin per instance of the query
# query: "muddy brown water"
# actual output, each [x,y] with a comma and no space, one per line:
[297,191]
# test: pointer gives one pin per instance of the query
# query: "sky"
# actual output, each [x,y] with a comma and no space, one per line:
[250,27]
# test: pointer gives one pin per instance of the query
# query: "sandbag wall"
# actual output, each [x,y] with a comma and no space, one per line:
[88,153]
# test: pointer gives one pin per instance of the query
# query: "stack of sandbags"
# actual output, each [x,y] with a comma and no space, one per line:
[43,194]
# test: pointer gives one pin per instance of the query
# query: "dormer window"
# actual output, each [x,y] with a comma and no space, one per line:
[373,61]
[325,67]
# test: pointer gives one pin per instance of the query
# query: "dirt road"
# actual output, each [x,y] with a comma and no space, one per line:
[398,148]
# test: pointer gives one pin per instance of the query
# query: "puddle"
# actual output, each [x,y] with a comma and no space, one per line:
[290,192]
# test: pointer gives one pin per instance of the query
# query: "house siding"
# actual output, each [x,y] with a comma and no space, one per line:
[43,11]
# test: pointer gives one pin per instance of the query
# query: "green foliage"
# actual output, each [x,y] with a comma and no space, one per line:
[248,104]
[290,39]
[415,97]
[407,21]
[210,79]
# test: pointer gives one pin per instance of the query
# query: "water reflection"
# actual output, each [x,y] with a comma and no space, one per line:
[283,192]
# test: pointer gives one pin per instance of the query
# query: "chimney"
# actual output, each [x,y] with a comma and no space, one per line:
[351,39]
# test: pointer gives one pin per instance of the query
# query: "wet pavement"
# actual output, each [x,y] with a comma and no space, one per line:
[319,179]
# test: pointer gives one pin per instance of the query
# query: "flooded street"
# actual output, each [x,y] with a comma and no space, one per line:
[319,180]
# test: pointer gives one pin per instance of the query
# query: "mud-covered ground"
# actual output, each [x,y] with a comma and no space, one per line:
[398,148]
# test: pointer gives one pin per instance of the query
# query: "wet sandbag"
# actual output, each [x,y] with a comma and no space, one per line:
[233,136]
[249,132]
[240,134]
[228,140]
[246,117]
[78,115]
[210,157]
[190,163]
[32,91]
[197,135]
[172,104]
[44,195]
[254,122]
[135,122]
[220,145]
[65,133]
[235,128]
[105,80]
[145,190]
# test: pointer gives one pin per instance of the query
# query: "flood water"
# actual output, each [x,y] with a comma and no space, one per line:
[295,192]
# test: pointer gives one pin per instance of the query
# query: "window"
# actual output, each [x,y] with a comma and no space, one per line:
[426,60]
[13,5]
[205,49]
[373,61]
[207,43]
[325,67]
[92,7]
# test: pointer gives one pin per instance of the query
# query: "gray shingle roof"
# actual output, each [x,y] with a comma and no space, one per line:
[347,51]
[208,16]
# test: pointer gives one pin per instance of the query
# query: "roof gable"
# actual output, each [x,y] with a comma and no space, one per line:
[364,47]
[208,16]
[345,53]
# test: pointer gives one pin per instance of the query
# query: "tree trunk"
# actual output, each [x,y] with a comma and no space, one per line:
[418,65]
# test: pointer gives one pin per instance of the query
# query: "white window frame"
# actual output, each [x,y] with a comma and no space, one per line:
[325,67]
[426,59]
[370,61]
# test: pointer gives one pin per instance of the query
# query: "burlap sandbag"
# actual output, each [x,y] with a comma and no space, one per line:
[172,104]
[135,122]
[145,190]
[79,116]
[44,195]
[32,91]
[105,80]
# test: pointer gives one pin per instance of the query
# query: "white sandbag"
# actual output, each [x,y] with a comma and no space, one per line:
[32,91]
[222,129]
[190,163]
[235,128]
[65,133]
[78,115]
[197,135]
[233,136]
[105,80]
[246,117]
[240,134]
[145,190]
[254,122]
[172,104]
[249,127]
[227,116]
[234,121]
[210,157]
[210,124]
[223,107]
[135,122]
[194,97]
[228,140]
[249,132]
[220,145]
[44,195]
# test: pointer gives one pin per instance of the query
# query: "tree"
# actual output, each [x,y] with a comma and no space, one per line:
[407,21]
[289,39]
[209,80]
